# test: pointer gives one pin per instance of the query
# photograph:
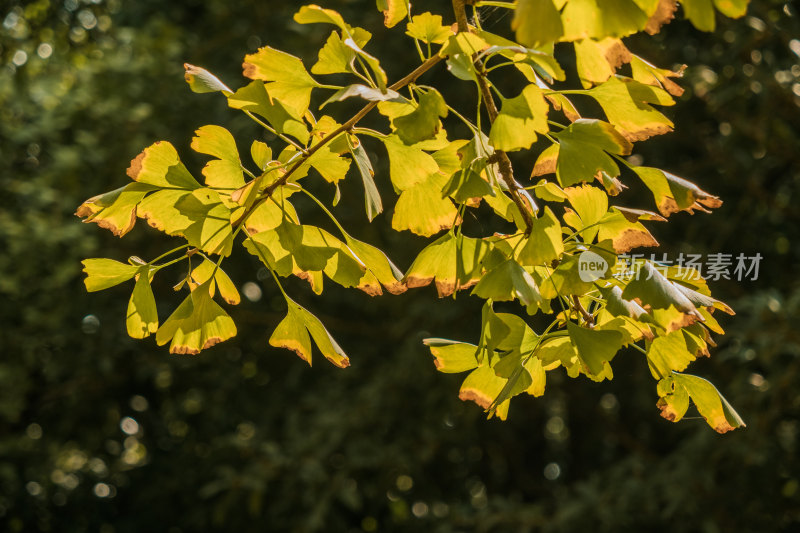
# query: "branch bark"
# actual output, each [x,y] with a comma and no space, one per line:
[503,162]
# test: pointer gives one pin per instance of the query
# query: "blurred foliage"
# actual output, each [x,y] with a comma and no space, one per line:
[102,433]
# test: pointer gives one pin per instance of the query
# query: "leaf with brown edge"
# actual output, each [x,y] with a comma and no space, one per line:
[664,13]
[296,331]
[115,210]
[597,61]
[653,290]
[713,407]
[626,103]
[394,11]
[673,194]
[546,162]
[644,72]
[452,357]
[159,165]
[204,272]
[422,210]
[624,234]
[378,264]
[454,263]
[197,324]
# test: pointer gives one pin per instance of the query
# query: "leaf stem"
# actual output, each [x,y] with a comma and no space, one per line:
[272,130]
[266,263]
[326,210]
[165,254]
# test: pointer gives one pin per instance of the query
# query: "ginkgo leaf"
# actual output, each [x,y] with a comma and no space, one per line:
[261,154]
[452,262]
[598,19]
[590,205]
[142,316]
[362,91]
[582,151]
[104,273]
[428,28]
[619,306]
[204,272]
[423,122]
[372,198]
[519,120]
[288,80]
[159,165]
[626,103]
[508,281]
[224,172]
[202,81]
[673,194]
[652,289]
[378,264]
[675,391]
[663,14]
[546,162]
[115,210]
[297,329]
[543,244]
[329,164]
[408,165]
[482,386]
[595,348]
[254,98]
[537,22]
[271,213]
[452,357]
[200,216]
[667,353]
[597,61]
[198,323]
[700,13]
[394,11]
[644,72]
[625,234]
[336,57]
[422,210]
[531,63]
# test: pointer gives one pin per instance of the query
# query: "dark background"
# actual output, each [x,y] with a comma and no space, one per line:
[99,432]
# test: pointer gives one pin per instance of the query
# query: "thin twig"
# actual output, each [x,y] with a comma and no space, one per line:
[500,157]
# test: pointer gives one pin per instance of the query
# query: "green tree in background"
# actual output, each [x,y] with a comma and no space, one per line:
[234,439]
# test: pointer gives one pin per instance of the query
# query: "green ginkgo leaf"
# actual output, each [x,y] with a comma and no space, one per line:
[197,324]
[428,28]
[599,19]
[452,262]
[422,210]
[408,165]
[519,120]
[255,99]
[596,348]
[537,22]
[336,57]
[673,194]
[544,244]
[288,80]
[142,316]
[597,61]
[205,271]
[508,281]
[296,331]
[582,151]
[104,273]
[423,122]
[652,289]
[372,198]
[224,172]
[667,353]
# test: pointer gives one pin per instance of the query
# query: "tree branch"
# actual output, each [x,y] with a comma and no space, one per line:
[503,162]
[347,126]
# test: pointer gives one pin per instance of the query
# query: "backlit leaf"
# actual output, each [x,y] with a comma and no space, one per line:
[336,57]
[713,407]
[293,333]
[202,81]
[626,103]
[362,91]
[393,11]
[198,323]
[254,98]
[519,119]
[673,194]
[582,151]
[372,198]
[159,165]
[104,273]
[452,357]
[288,80]
[595,348]
[544,244]
[142,316]
[422,210]
[423,122]
[508,281]
[224,172]
[115,210]
[597,61]
[453,262]
[428,28]
[537,22]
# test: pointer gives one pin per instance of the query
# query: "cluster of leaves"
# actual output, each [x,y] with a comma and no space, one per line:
[665,313]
